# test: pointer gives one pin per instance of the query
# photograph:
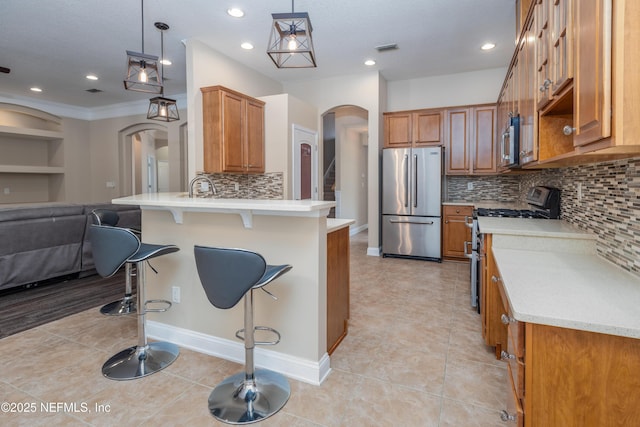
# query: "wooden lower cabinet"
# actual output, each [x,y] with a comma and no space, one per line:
[494,331]
[337,287]
[455,231]
[561,377]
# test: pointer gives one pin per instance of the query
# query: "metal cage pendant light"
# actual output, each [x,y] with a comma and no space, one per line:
[290,43]
[142,69]
[161,108]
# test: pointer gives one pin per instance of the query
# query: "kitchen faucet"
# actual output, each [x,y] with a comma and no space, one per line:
[198,178]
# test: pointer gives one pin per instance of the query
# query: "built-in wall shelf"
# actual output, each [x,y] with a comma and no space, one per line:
[31,169]
[33,155]
[30,133]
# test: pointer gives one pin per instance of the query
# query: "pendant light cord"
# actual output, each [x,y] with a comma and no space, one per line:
[142,23]
[162,61]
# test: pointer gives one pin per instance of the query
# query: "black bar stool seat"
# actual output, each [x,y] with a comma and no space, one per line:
[126,305]
[112,248]
[228,275]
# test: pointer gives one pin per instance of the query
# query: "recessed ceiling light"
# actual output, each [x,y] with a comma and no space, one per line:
[92,77]
[246,45]
[165,62]
[35,89]
[488,46]
[370,62]
[235,12]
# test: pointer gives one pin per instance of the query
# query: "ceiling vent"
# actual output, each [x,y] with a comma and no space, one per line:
[94,90]
[387,47]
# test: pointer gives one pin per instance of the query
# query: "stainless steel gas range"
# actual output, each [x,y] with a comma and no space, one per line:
[543,203]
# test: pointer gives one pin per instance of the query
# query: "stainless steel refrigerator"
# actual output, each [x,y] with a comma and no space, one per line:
[411,202]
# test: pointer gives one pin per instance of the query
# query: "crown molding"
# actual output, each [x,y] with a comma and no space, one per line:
[95,113]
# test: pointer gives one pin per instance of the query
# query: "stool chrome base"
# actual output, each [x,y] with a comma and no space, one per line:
[239,401]
[119,308]
[137,362]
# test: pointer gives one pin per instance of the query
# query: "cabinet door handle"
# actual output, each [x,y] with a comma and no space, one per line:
[507,319]
[507,356]
[505,416]
[495,279]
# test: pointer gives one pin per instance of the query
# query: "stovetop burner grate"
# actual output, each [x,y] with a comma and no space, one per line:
[511,213]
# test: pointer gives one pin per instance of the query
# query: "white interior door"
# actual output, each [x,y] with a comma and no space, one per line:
[305,163]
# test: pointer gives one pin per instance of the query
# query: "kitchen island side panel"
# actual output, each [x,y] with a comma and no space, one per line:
[299,314]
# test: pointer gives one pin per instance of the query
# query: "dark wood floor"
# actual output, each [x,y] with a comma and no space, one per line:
[25,308]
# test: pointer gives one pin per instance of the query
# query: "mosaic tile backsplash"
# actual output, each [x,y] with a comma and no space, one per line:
[249,186]
[609,205]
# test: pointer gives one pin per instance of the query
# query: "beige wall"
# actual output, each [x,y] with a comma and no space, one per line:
[105,158]
[281,112]
[207,67]
[475,87]
[351,163]
[77,152]
[367,91]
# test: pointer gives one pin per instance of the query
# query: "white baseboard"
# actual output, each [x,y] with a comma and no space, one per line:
[355,230]
[293,367]
[374,251]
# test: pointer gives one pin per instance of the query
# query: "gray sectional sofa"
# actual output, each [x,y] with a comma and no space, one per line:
[49,240]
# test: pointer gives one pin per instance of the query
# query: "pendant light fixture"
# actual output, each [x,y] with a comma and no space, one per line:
[290,43]
[142,69]
[161,108]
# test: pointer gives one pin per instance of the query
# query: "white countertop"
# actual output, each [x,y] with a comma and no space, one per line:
[334,224]
[490,204]
[570,290]
[531,227]
[177,203]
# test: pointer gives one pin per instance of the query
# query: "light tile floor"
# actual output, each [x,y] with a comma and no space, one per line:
[414,356]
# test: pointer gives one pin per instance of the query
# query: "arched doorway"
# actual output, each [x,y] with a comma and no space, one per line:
[345,167]
[146,160]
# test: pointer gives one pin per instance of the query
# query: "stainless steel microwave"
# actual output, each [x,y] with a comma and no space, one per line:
[510,143]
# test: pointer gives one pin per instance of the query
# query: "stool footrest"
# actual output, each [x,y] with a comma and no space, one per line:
[157,301]
[240,335]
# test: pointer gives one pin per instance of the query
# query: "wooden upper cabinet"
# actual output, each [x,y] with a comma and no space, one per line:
[592,87]
[398,130]
[458,148]
[233,133]
[255,136]
[427,128]
[413,128]
[553,35]
[484,140]
[543,72]
[470,140]
[561,45]
[528,117]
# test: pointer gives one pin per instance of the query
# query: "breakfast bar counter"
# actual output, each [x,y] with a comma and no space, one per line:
[284,232]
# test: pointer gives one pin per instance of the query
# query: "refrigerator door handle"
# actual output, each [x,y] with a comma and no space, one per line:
[408,221]
[415,180]
[406,180]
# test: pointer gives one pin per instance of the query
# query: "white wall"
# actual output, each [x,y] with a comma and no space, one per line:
[476,87]
[207,67]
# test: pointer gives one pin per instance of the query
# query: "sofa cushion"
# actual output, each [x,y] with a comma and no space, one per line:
[38,210]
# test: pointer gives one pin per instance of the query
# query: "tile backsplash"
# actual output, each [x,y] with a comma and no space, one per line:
[602,198]
[249,186]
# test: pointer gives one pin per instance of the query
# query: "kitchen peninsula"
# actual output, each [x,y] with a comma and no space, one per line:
[284,232]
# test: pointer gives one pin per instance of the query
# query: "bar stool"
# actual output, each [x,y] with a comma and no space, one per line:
[126,305]
[113,247]
[226,276]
